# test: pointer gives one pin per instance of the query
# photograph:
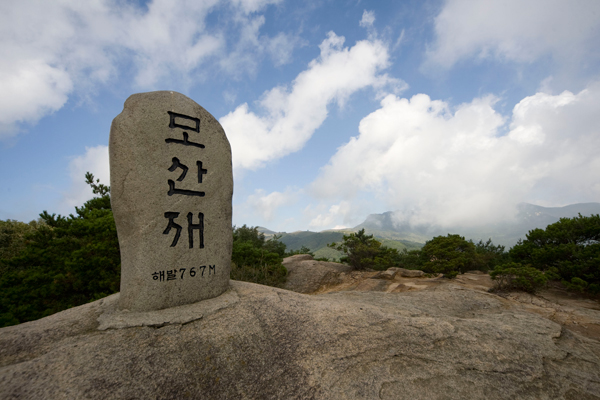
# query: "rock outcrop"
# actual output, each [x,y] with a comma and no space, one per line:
[306,275]
[256,342]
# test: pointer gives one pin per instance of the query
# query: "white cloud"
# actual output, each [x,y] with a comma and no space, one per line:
[28,90]
[95,160]
[291,115]
[241,60]
[250,6]
[53,49]
[515,30]
[337,212]
[266,205]
[368,18]
[449,166]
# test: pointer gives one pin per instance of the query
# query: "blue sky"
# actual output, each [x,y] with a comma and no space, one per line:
[447,112]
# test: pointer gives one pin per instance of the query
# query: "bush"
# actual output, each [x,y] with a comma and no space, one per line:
[576,284]
[13,237]
[515,276]
[255,259]
[571,246]
[488,255]
[448,255]
[410,259]
[302,250]
[59,262]
[64,262]
[364,252]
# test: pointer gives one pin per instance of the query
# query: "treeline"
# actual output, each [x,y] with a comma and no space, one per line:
[448,255]
[567,251]
[58,262]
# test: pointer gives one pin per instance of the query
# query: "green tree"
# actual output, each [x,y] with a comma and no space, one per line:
[364,252]
[515,276]
[13,238]
[255,259]
[449,255]
[66,262]
[302,250]
[410,259]
[489,255]
[571,246]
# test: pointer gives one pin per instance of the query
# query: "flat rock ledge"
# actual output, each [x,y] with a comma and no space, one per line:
[306,275]
[258,342]
[112,318]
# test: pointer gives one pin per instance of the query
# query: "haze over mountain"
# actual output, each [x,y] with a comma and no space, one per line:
[529,216]
[395,230]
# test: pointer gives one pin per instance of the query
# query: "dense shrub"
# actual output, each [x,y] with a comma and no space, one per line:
[255,259]
[60,262]
[410,259]
[515,276]
[364,252]
[13,237]
[571,246]
[301,250]
[488,255]
[65,262]
[448,255]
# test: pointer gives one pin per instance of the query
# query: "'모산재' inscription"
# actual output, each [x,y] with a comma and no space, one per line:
[172,187]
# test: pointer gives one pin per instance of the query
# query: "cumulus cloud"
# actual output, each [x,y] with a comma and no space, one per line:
[343,211]
[29,89]
[241,61]
[368,19]
[515,30]
[95,160]
[51,49]
[250,6]
[290,115]
[266,205]
[469,165]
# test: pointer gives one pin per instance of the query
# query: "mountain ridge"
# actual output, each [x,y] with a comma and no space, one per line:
[403,235]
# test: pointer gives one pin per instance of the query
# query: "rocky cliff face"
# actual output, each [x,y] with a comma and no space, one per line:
[446,341]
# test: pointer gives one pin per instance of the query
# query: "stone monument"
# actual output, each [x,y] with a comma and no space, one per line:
[171,189]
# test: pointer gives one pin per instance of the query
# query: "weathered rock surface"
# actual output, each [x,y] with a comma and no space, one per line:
[410,273]
[306,275]
[171,188]
[257,342]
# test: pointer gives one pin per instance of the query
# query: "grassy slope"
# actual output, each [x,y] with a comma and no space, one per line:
[317,242]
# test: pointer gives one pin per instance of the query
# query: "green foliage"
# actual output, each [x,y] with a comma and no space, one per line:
[312,240]
[13,238]
[364,252]
[576,284]
[410,259]
[97,187]
[65,262]
[571,246]
[448,255]
[516,276]
[301,250]
[488,255]
[255,259]
[328,253]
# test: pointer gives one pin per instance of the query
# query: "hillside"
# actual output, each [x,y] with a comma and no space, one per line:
[405,236]
[317,241]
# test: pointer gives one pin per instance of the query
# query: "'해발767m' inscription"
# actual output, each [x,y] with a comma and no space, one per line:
[174,274]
